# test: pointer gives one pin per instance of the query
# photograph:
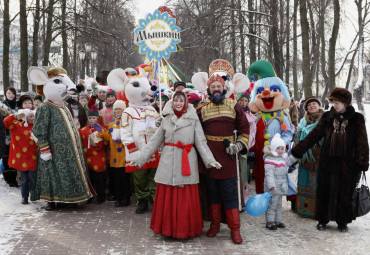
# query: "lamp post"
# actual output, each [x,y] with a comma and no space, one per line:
[86,54]
[82,54]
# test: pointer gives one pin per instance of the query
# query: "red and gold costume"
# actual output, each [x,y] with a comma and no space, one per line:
[23,149]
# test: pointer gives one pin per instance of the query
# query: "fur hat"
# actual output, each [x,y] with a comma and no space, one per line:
[179,83]
[26,113]
[22,99]
[119,104]
[275,143]
[309,100]
[341,95]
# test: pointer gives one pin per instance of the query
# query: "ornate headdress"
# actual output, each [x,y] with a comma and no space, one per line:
[221,65]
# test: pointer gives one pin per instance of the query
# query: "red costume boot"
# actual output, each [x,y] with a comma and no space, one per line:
[215,218]
[233,222]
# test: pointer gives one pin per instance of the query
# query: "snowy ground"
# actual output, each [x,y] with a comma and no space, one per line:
[301,236]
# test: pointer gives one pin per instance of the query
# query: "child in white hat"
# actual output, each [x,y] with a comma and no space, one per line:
[277,163]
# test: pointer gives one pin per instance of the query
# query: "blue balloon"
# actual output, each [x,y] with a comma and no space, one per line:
[258,204]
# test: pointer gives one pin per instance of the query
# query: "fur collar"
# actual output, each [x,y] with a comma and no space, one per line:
[184,120]
[348,114]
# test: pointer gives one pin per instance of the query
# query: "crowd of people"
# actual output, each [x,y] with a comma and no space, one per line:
[178,151]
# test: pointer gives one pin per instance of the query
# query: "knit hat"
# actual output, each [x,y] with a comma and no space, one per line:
[341,95]
[194,98]
[84,95]
[119,104]
[179,83]
[110,92]
[309,100]
[93,112]
[275,143]
[243,94]
[22,99]
[26,113]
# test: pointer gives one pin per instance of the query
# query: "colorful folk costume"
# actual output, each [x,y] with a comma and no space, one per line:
[270,97]
[176,210]
[61,173]
[94,148]
[137,127]
[308,164]
[219,118]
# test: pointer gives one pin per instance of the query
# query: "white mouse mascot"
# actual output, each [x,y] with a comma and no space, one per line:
[61,165]
[137,127]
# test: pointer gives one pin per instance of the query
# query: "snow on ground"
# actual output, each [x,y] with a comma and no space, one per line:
[13,214]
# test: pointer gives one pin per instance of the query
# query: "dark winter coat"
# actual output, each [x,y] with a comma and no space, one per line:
[337,176]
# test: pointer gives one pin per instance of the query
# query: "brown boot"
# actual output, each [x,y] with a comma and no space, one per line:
[215,218]
[233,222]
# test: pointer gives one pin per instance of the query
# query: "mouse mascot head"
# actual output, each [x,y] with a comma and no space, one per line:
[269,93]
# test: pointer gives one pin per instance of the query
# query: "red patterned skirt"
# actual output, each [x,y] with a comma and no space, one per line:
[176,211]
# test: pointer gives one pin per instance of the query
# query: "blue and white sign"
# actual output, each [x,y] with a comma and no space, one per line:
[157,35]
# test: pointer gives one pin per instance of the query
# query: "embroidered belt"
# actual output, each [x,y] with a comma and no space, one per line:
[219,138]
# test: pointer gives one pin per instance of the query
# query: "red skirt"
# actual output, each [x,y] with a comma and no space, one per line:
[176,211]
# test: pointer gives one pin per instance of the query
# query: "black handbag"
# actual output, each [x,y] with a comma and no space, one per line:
[361,198]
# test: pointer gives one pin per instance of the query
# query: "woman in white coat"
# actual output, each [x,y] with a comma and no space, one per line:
[176,210]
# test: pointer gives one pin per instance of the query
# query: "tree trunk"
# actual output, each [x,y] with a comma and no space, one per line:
[24,44]
[35,38]
[252,39]
[350,69]
[49,32]
[6,45]
[287,54]
[277,61]
[295,51]
[332,44]
[64,35]
[241,31]
[233,39]
[307,79]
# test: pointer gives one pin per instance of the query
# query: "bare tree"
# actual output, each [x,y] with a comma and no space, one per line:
[6,45]
[307,78]
[24,44]
[35,37]
[49,32]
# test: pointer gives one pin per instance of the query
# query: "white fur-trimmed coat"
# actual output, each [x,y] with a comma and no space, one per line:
[186,129]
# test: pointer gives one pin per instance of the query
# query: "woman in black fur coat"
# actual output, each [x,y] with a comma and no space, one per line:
[344,154]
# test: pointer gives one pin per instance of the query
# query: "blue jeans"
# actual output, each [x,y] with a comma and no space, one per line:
[222,191]
[28,182]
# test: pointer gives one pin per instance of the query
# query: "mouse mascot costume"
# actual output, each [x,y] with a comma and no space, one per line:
[137,127]
[270,96]
[61,165]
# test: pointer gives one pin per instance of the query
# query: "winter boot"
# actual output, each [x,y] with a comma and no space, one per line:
[215,218]
[271,226]
[233,222]
[24,201]
[50,206]
[142,207]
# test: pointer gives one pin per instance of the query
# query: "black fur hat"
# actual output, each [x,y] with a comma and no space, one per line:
[22,99]
[341,95]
